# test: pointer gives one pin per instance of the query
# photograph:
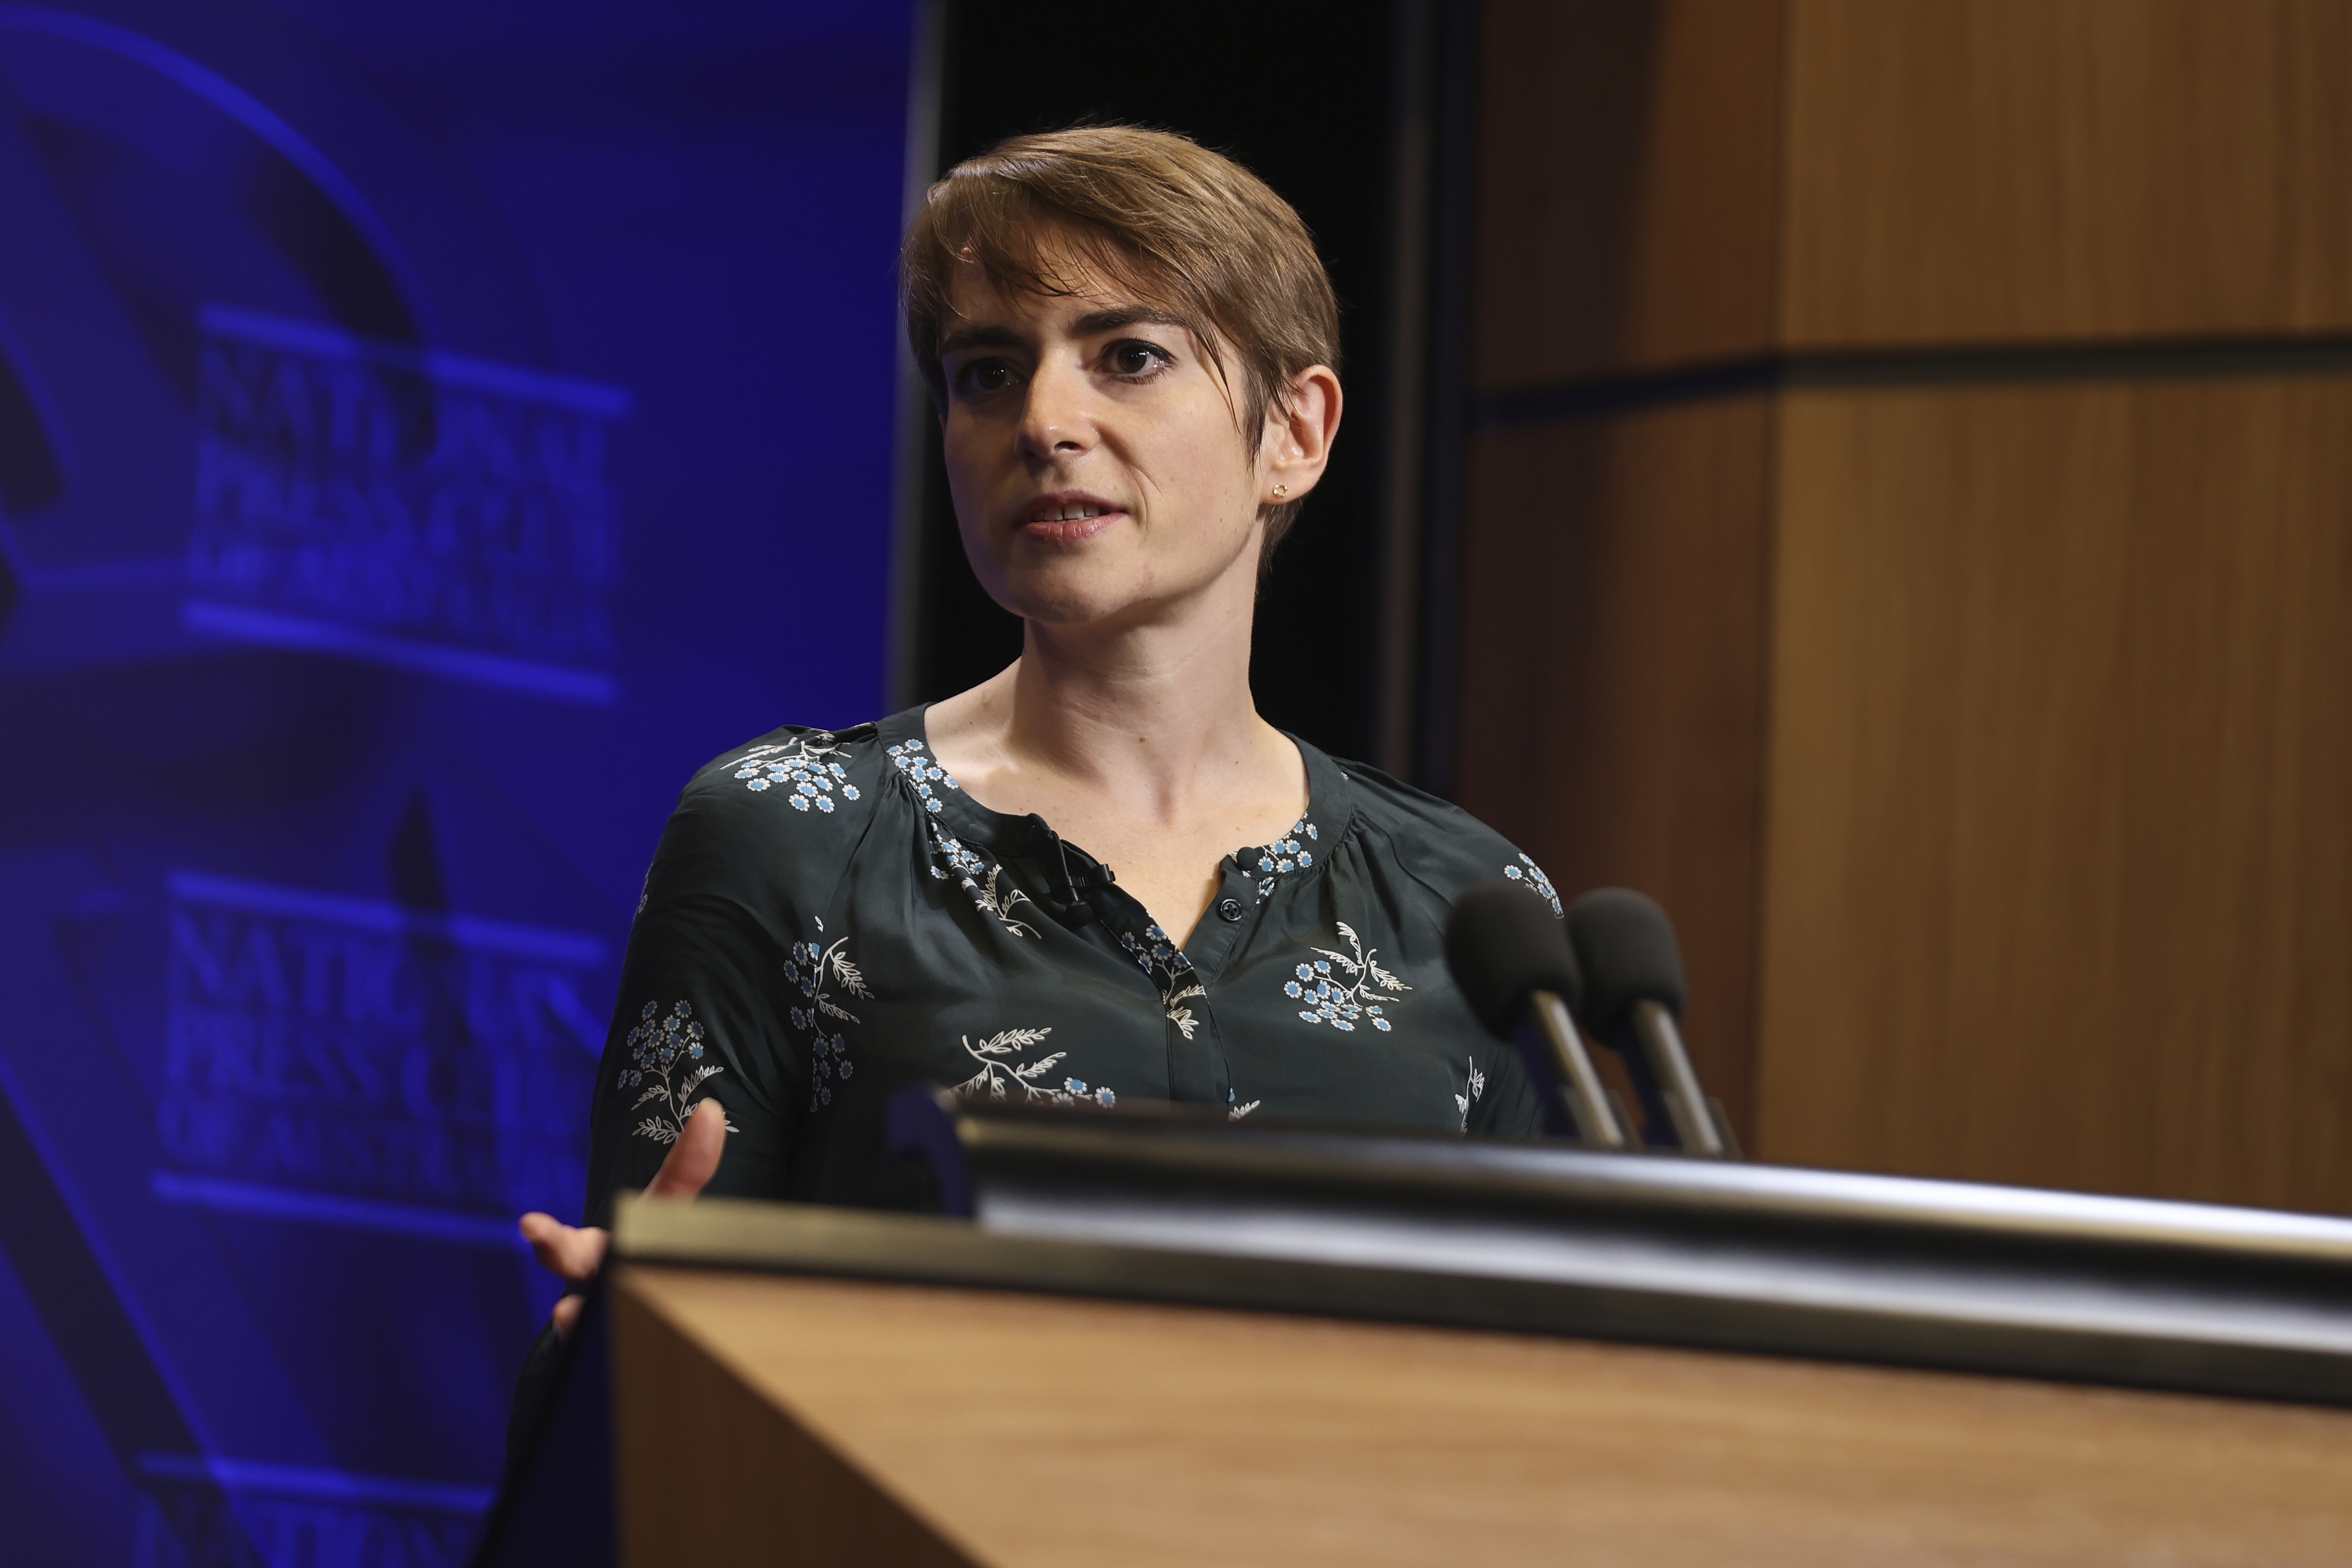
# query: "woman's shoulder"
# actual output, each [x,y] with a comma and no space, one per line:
[799,790]
[798,770]
[1440,845]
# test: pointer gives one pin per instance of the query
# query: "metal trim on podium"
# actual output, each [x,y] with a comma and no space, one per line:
[1538,1237]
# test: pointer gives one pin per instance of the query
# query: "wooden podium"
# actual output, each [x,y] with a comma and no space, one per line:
[773,1420]
[813,1386]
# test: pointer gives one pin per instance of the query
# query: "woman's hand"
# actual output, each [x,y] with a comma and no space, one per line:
[574,1253]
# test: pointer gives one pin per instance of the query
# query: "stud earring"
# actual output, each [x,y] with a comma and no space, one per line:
[1280,491]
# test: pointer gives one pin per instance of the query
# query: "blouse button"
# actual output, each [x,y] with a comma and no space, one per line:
[1229,909]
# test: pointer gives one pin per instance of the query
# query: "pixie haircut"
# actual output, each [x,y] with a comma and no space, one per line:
[1152,214]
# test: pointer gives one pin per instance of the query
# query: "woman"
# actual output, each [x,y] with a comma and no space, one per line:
[1033,890]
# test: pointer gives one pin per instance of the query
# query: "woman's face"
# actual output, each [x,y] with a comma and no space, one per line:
[1099,473]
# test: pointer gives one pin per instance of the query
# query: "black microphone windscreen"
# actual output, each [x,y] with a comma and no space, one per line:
[1501,943]
[1626,948]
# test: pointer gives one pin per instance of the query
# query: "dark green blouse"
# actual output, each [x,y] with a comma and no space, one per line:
[830,918]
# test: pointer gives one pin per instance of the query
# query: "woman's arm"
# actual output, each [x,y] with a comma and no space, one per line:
[699,1083]
[574,1253]
[700,1014]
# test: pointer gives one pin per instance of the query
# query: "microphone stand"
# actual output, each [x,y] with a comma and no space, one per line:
[1570,1068]
[1687,1104]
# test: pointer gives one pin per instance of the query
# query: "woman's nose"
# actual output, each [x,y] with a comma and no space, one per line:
[1055,419]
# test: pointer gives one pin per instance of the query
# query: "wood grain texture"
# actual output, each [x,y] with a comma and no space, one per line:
[1612,677]
[2059,871]
[1048,1432]
[1966,171]
[1626,197]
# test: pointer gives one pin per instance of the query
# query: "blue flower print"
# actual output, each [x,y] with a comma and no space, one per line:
[1171,971]
[1277,860]
[816,970]
[1534,881]
[921,771]
[802,765]
[1002,1071]
[990,891]
[655,1050]
[1355,995]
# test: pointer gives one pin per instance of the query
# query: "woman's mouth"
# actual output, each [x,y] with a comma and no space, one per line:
[1065,520]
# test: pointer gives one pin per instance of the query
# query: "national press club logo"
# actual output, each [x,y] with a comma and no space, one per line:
[414,507]
[227,423]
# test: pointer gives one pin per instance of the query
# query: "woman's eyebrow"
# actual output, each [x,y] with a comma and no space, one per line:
[1119,316]
[993,335]
[985,336]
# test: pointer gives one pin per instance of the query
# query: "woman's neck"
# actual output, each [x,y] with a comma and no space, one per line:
[1149,715]
[1153,719]
[1139,744]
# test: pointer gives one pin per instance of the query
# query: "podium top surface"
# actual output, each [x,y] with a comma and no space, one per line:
[1012,1430]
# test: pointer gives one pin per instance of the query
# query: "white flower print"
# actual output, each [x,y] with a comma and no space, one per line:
[665,1067]
[921,771]
[1471,1088]
[802,763]
[813,969]
[1000,1071]
[1359,989]
[1171,971]
[990,891]
[1534,881]
[1276,860]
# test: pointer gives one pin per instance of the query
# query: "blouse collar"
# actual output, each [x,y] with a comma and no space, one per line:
[1331,807]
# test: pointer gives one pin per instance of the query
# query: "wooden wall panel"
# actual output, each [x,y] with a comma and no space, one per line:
[1612,677]
[1968,171]
[2033,862]
[1626,178]
[2059,868]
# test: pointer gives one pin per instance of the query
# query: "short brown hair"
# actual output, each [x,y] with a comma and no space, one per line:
[1189,231]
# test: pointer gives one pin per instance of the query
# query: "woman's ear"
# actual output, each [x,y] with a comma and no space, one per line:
[1300,426]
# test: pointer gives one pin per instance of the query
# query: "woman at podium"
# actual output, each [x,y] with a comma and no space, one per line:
[1098,877]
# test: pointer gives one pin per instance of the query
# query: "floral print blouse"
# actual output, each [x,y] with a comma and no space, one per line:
[830,918]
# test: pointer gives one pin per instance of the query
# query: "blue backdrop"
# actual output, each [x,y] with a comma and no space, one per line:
[428,432]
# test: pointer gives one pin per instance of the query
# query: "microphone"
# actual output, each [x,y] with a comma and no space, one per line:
[1511,960]
[1077,907]
[1632,970]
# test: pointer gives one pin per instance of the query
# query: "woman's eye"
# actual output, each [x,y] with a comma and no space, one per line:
[983,376]
[1136,359]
